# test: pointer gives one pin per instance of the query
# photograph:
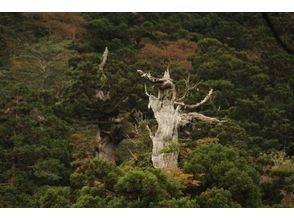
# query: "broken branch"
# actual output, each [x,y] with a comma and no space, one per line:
[104,59]
[188,88]
[150,77]
[206,98]
[188,117]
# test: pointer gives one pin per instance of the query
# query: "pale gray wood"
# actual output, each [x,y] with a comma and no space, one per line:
[167,112]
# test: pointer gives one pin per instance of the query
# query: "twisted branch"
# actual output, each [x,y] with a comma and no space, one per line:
[188,117]
[150,77]
[146,92]
[187,89]
[206,98]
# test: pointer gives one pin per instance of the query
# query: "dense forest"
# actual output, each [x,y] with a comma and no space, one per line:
[75,125]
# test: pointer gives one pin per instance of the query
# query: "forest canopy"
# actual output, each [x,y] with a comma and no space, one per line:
[75,125]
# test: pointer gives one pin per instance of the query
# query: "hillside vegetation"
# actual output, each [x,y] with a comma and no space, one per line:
[57,105]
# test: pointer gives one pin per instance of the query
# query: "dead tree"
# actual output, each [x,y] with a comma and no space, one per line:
[107,138]
[167,109]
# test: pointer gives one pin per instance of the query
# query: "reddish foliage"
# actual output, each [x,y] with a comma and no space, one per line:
[179,176]
[168,52]
[208,140]
[62,25]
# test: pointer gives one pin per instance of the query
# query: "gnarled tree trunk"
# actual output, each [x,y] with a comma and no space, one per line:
[167,112]
[107,141]
[105,147]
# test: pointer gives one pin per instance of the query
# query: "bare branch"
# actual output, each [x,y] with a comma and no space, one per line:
[104,59]
[146,92]
[206,98]
[117,120]
[188,88]
[150,77]
[164,85]
[188,117]
[101,95]
[150,132]
[98,136]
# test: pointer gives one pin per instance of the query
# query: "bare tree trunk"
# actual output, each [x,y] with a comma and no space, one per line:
[105,143]
[108,139]
[106,147]
[167,112]
[167,118]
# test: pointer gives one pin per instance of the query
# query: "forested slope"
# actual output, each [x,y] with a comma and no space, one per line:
[57,105]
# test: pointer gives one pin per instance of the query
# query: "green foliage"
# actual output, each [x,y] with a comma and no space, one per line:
[137,149]
[224,167]
[34,142]
[245,91]
[172,147]
[145,188]
[90,197]
[51,107]
[216,198]
[93,172]
[54,197]
[230,133]
[277,178]
[49,170]
[183,202]
[10,196]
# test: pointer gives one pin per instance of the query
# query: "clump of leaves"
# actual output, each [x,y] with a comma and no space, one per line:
[172,147]
[178,175]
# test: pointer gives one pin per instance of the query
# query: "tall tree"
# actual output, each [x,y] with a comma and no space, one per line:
[167,111]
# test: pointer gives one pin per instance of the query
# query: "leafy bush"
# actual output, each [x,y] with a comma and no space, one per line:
[224,167]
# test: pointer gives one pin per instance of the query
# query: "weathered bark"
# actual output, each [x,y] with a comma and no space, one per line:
[109,135]
[167,118]
[104,59]
[108,139]
[105,142]
[106,147]
[167,112]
